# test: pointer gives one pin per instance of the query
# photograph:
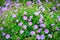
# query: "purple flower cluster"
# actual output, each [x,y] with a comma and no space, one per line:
[36,29]
[29,3]
[7,36]
[40,37]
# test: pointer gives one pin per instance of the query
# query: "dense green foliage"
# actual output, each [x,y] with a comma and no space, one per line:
[2,2]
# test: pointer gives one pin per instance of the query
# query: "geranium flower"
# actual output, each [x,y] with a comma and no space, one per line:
[58,18]
[25,17]
[38,37]
[58,4]
[30,23]
[3,33]
[39,30]
[20,24]
[1,28]
[32,33]
[42,8]
[24,26]
[46,31]
[42,25]
[36,13]
[21,31]
[35,26]
[42,36]
[14,15]
[29,3]
[7,36]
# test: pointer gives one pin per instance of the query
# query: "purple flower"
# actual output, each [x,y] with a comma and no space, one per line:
[25,13]
[54,8]
[58,4]
[24,26]
[1,28]
[17,0]
[38,37]
[36,13]
[35,26]
[20,24]
[10,5]
[58,18]
[21,31]
[7,4]
[42,36]
[30,18]
[14,15]
[7,0]
[25,17]
[7,36]
[42,8]
[39,30]
[3,34]
[17,5]
[38,1]
[30,23]
[42,25]
[57,28]
[46,0]
[32,33]
[46,31]
[53,24]
[40,21]
[29,3]
[41,17]
[4,9]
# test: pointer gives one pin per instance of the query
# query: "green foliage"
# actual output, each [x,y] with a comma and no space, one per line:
[23,1]
[2,2]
